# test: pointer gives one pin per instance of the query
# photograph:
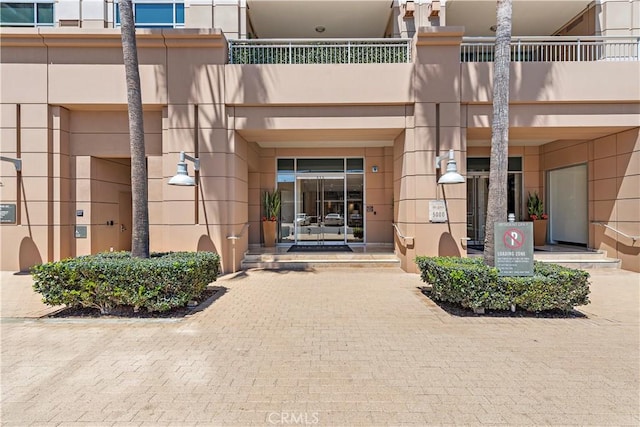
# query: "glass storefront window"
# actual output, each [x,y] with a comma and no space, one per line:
[33,14]
[322,200]
[355,207]
[355,165]
[481,164]
[286,165]
[286,186]
[155,15]
[320,165]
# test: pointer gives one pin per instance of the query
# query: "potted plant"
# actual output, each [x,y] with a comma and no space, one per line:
[535,209]
[271,206]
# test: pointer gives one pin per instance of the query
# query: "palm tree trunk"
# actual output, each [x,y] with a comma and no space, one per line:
[139,192]
[498,169]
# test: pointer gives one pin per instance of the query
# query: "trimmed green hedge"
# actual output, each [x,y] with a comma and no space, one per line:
[471,283]
[356,53]
[111,279]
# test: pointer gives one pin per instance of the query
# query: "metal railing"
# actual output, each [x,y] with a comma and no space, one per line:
[406,241]
[634,239]
[555,49]
[320,51]
[233,239]
[239,235]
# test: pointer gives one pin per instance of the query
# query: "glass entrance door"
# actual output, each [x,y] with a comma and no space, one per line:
[320,209]
[477,198]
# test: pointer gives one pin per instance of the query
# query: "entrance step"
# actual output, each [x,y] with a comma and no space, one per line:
[580,260]
[310,260]
[568,256]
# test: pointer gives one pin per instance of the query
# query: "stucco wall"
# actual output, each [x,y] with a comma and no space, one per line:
[614,188]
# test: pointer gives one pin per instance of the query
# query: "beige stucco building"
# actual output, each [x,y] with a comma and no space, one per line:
[342,106]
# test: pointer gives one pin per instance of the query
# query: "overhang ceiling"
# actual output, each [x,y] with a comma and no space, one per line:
[300,18]
[326,137]
[481,137]
[369,18]
[530,18]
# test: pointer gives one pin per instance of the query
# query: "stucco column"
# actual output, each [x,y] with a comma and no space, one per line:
[433,127]
[63,205]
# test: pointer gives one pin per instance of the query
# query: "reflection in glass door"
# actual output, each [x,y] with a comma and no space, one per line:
[320,209]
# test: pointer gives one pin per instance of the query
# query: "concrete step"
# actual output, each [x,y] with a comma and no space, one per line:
[584,263]
[578,259]
[305,261]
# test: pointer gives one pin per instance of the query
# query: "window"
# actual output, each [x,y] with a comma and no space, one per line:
[155,15]
[33,14]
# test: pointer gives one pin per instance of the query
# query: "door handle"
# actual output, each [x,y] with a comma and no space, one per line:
[122,228]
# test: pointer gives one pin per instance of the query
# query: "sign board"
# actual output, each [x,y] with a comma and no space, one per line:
[437,211]
[81,232]
[514,248]
[7,213]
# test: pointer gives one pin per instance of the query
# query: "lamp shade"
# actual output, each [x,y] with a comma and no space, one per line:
[451,176]
[182,177]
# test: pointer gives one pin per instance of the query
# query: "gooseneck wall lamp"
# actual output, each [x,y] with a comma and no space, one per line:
[182,175]
[451,176]
[16,162]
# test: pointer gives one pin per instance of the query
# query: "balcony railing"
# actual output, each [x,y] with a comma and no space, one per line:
[555,49]
[320,51]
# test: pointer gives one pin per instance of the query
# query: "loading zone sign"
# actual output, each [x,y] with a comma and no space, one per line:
[514,248]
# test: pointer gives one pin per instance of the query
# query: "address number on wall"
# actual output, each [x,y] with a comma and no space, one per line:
[437,211]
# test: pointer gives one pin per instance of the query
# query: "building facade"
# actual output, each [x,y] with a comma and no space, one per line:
[341,106]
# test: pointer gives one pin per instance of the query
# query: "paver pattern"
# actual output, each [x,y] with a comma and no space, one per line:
[331,347]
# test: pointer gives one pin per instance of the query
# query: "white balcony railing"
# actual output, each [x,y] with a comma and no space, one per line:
[555,49]
[320,51]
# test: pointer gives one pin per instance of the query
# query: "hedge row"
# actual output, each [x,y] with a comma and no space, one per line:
[111,279]
[471,283]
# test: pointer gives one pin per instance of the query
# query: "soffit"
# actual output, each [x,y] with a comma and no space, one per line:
[299,19]
[327,137]
[369,18]
[530,18]
[481,137]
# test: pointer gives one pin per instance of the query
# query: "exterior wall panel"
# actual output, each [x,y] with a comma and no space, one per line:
[556,81]
[319,84]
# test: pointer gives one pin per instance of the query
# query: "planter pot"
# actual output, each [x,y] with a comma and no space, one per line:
[540,232]
[269,231]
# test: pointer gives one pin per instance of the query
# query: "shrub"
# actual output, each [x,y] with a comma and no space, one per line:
[111,279]
[471,283]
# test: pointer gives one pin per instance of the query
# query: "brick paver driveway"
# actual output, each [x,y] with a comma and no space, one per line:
[336,347]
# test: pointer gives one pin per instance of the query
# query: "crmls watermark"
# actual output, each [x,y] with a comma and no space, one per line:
[293,418]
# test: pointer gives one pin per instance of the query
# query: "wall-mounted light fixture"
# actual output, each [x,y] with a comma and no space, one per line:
[374,169]
[409,8]
[451,176]
[434,9]
[16,162]
[182,176]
